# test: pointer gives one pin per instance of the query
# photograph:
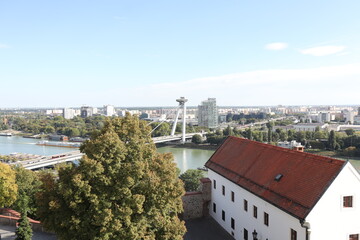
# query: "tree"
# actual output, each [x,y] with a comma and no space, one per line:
[24,231]
[196,139]
[121,189]
[350,132]
[332,140]
[191,179]
[8,187]
[249,134]
[28,185]
[228,131]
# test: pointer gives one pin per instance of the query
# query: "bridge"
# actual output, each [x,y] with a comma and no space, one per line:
[175,137]
[45,161]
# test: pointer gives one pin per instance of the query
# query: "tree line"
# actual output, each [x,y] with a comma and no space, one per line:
[344,143]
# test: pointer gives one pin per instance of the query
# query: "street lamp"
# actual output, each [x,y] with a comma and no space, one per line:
[254,233]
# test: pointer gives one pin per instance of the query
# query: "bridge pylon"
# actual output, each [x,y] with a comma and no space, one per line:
[181,101]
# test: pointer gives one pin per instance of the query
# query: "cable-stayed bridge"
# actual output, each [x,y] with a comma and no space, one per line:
[46,161]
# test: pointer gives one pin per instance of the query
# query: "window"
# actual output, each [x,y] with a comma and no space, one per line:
[266,219]
[293,234]
[232,196]
[214,207]
[348,201]
[354,237]
[223,215]
[232,223]
[223,190]
[245,234]
[245,205]
[214,183]
[255,211]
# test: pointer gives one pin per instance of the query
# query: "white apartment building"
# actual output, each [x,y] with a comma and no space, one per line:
[208,113]
[109,110]
[264,192]
[68,113]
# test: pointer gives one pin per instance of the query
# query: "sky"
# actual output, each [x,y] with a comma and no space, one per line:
[137,53]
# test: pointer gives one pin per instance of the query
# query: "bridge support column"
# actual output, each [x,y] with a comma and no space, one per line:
[181,102]
[184,123]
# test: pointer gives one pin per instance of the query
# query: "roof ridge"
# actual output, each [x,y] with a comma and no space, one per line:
[314,156]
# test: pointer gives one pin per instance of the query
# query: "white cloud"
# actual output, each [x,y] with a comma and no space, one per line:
[323,85]
[276,46]
[4,46]
[323,50]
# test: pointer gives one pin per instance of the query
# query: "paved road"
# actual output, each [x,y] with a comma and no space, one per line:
[8,233]
[205,229]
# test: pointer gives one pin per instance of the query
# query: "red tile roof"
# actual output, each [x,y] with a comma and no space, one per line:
[254,166]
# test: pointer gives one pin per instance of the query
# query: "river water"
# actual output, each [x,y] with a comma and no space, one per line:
[184,157]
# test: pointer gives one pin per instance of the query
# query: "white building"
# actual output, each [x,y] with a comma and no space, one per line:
[324,117]
[310,126]
[208,113]
[349,116]
[291,145]
[109,110]
[281,194]
[68,113]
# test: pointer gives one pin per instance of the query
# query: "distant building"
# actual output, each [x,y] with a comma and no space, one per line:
[208,113]
[357,119]
[68,113]
[324,117]
[58,138]
[109,110]
[310,126]
[349,116]
[54,112]
[86,111]
[294,145]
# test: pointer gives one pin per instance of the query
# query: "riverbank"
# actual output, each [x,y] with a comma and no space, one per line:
[331,154]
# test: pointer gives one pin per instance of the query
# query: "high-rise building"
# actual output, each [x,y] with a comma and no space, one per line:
[86,111]
[68,113]
[109,110]
[208,113]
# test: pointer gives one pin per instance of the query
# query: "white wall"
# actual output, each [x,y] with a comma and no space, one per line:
[280,222]
[328,219]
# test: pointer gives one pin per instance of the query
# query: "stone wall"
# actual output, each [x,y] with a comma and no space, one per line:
[196,203]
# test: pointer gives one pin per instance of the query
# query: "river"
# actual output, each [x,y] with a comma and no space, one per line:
[185,158]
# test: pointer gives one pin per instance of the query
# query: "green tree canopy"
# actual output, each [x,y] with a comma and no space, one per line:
[28,185]
[197,139]
[350,132]
[191,179]
[8,187]
[24,231]
[121,189]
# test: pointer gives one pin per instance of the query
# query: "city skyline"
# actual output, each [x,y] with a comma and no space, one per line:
[144,54]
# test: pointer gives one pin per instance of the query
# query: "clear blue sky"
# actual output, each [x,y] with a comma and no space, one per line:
[148,53]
